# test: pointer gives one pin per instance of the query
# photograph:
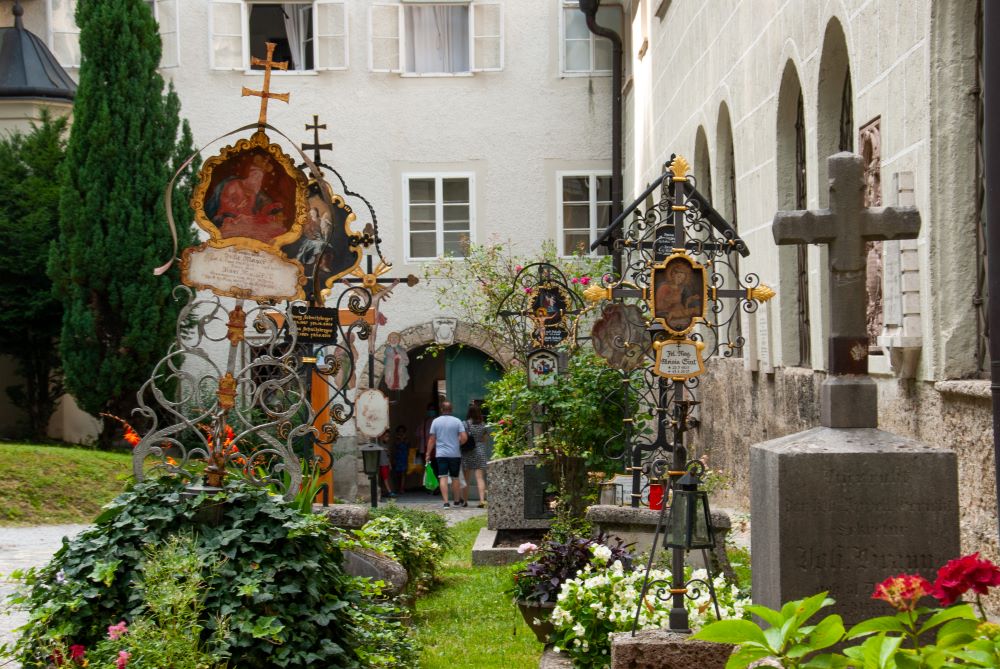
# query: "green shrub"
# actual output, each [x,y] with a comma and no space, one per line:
[434,523]
[409,544]
[278,583]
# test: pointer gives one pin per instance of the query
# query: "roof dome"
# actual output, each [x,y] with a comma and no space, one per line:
[27,67]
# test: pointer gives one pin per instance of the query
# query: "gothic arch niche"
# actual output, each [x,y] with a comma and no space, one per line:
[793,274]
[835,105]
[725,188]
[702,163]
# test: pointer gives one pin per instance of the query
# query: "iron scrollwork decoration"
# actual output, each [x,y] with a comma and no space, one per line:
[682,244]
[540,310]
[246,417]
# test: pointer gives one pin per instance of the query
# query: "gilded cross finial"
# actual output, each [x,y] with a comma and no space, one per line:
[266,93]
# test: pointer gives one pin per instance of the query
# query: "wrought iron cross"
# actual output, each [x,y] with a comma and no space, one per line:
[266,93]
[845,228]
[316,147]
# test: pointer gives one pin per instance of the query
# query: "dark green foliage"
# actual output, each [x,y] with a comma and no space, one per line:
[277,581]
[118,317]
[29,221]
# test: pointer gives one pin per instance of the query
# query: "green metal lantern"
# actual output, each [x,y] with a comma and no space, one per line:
[689,526]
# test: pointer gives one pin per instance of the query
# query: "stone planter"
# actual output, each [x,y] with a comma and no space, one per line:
[536,615]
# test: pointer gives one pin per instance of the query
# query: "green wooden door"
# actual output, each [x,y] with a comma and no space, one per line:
[467,371]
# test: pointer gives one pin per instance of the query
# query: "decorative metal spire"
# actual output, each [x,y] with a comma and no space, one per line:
[18,13]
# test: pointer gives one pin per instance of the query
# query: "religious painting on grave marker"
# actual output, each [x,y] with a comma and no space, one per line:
[251,200]
[679,359]
[396,374]
[372,413]
[325,248]
[543,367]
[678,291]
[548,307]
[619,336]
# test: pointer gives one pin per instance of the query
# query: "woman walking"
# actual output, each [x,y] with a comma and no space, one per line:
[475,459]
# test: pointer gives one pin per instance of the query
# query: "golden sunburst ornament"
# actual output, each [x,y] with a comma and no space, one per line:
[680,168]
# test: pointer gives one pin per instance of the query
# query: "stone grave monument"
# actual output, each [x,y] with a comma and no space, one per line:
[843,506]
[518,509]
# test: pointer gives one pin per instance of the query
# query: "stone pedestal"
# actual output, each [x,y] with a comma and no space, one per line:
[840,510]
[662,649]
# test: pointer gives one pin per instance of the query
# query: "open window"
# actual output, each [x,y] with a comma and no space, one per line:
[310,34]
[442,38]
[64,35]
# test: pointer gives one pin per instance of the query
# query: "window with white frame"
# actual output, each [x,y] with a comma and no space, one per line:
[583,52]
[64,35]
[584,210]
[436,39]
[439,215]
[310,34]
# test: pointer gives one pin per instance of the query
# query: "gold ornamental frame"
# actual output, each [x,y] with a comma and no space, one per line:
[259,141]
[662,319]
[538,316]
[697,346]
[338,202]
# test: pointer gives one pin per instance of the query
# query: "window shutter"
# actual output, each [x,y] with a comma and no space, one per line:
[166,18]
[227,22]
[385,21]
[331,35]
[64,36]
[486,34]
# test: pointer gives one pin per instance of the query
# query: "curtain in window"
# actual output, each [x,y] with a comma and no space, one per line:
[291,12]
[437,39]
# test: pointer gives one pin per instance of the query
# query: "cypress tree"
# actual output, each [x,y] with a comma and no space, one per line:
[29,221]
[125,143]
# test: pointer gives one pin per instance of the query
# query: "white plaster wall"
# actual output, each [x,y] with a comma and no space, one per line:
[704,53]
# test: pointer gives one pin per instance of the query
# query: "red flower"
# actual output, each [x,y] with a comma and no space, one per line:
[902,592]
[76,652]
[970,572]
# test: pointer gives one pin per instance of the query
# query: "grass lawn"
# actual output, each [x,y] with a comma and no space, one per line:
[54,485]
[467,622]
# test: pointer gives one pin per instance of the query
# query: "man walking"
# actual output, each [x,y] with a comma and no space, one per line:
[445,441]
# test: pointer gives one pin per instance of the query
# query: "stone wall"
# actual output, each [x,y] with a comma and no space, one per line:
[742,408]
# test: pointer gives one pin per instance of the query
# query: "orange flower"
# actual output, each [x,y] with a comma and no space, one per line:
[130,435]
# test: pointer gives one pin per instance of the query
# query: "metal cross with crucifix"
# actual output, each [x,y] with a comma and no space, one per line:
[265,93]
[848,397]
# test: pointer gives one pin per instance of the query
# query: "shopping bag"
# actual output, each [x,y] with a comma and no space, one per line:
[430,478]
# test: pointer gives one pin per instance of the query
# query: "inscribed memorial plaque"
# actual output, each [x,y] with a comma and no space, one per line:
[543,366]
[240,272]
[538,492]
[317,325]
[679,359]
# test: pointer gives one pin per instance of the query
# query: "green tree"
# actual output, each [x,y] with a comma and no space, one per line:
[29,220]
[125,144]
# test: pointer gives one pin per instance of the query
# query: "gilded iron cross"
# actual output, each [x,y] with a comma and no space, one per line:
[266,93]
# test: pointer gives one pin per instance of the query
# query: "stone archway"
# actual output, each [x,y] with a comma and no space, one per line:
[467,334]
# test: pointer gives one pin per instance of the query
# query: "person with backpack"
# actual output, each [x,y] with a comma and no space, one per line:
[474,450]
[447,434]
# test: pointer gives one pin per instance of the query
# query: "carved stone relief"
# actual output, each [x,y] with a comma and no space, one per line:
[871,151]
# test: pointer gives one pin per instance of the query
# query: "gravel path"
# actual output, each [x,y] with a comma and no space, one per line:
[21,548]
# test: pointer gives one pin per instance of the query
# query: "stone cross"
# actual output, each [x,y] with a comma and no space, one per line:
[848,396]
[265,94]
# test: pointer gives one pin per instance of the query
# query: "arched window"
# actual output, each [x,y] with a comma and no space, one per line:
[793,269]
[702,164]
[725,199]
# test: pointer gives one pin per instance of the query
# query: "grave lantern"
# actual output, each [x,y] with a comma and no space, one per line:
[370,454]
[690,524]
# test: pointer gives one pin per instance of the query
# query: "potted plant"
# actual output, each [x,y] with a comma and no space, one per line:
[538,581]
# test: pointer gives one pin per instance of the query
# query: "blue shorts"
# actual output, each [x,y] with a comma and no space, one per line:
[448,466]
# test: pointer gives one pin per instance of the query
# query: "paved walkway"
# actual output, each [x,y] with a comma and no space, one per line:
[21,548]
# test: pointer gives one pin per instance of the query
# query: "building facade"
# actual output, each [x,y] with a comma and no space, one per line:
[757,95]
[477,120]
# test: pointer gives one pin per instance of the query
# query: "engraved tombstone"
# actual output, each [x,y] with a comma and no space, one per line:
[843,506]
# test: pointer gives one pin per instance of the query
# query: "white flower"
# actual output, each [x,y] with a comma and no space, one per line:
[527,547]
[601,551]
